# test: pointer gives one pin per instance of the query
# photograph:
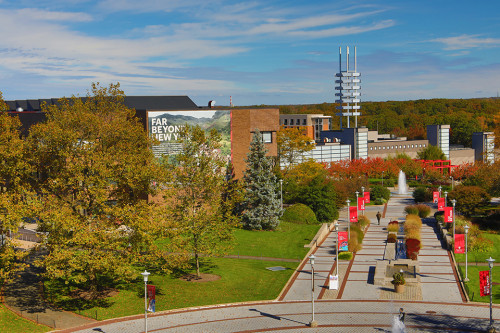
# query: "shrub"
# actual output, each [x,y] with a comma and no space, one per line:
[398,278]
[422,194]
[353,244]
[392,238]
[394,227]
[413,234]
[470,199]
[357,233]
[379,191]
[300,214]
[345,255]
[320,195]
[423,210]
[363,221]
[439,216]
[380,201]
[413,219]
[481,244]
[411,210]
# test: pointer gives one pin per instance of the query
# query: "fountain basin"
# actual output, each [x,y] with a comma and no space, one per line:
[385,269]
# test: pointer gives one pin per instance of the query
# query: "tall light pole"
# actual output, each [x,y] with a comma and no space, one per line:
[439,189]
[363,195]
[337,252]
[490,264]
[453,202]
[313,323]
[446,198]
[466,228]
[357,204]
[348,219]
[281,193]
[452,182]
[145,275]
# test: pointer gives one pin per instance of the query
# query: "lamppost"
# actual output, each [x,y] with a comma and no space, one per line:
[281,193]
[337,252]
[363,195]
[452,182]
[490,264]
[357,204]
[145,275]
[382,178]
[466,227]
[313,323]
[348,218]
[453,202]
[439,189]
[446,198]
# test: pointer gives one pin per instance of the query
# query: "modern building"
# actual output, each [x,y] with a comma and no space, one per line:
[484,146]
[311,124]
[439,135]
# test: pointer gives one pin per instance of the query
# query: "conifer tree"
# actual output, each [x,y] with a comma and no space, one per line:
[262,206]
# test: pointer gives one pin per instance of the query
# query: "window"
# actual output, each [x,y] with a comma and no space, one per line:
[286,122]
[267,137]
[291,121]
[392,147]
[404,146]
[304,122]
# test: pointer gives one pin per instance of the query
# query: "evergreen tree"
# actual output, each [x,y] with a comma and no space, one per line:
[262,206]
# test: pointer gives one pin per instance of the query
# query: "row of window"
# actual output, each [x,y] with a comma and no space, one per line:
[295,122]
[396,147]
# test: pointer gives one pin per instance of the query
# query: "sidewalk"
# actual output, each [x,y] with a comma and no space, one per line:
[437,278]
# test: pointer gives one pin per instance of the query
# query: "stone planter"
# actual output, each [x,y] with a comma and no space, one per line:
[399,288]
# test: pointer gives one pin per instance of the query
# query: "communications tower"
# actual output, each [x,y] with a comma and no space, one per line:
[348,86]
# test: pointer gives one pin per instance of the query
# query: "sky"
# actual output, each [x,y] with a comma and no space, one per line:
[259,52]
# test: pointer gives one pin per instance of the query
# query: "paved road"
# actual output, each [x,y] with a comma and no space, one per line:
[357,306]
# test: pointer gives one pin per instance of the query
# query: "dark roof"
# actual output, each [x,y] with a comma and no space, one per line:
[136,102]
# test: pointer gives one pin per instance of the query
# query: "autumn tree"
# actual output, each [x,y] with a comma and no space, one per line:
[261,208]
[196,195]
[95,170]
[292,144]
[15,196]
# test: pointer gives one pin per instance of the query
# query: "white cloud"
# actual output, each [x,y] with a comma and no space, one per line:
[44,15]
[467,42]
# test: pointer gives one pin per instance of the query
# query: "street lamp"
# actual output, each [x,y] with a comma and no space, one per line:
[446,198]
[490,264]
[313,323]
[145,275]
[281,193]
[357,204]
[363,195]
[466,227]
[453,202]
[337,252]
[452,182]
[348,218]
[439,189]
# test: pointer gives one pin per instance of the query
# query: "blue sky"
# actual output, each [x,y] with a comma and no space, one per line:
[258,52]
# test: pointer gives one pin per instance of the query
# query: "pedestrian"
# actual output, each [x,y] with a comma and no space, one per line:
[378,217]
[401,315]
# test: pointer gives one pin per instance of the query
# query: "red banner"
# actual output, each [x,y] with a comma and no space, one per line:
[448,214]
[151,298]
[367,197]
[353,214]
[441,204]
[435,196]
[342,241]
[459,243]
[361,203]
[484,283]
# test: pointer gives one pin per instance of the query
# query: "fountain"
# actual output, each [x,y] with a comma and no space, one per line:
[402,183]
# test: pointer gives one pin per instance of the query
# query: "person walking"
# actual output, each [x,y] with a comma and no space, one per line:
[378,217]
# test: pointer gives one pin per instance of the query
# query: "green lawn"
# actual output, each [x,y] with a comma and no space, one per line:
[481,257]
[241,280]
[12,323]
[472,286]
[286,242]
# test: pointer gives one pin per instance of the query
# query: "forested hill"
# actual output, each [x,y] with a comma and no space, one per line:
[410,118]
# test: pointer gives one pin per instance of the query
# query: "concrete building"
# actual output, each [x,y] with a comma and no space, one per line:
[484,146]
[312,124]
[439,135]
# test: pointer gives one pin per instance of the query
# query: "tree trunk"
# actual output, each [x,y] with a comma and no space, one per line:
[197,264]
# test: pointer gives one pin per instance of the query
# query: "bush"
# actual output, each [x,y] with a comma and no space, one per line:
[300,214]
[357,233]
[481,244]
[345,255]
[320,195]
[422,194]
[423,210]
[380,201]
[353,244]
[411,210]
[470,199]
[411,218]
[394,227]
[439,216]
[392,238]
[413,234]
[363,222]
[379,191]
